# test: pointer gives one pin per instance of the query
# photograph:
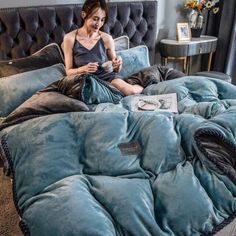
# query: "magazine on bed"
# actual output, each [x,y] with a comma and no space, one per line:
[162,102]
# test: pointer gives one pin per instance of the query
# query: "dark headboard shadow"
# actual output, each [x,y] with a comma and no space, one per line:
[25,30]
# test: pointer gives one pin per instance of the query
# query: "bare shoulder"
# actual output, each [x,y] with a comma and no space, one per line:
[107,39]
[105,35]
[70,37]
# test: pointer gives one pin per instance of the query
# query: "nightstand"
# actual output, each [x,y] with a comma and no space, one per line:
[184,50]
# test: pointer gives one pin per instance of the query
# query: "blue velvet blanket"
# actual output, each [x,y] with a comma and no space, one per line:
[103,169]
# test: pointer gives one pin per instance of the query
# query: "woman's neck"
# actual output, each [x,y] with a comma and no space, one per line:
[85,33]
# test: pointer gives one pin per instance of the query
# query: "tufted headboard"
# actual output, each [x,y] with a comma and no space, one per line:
[25,30]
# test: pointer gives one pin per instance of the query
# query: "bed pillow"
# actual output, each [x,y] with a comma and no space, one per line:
[121,43]
[134,59]
[15,89]
[47,56]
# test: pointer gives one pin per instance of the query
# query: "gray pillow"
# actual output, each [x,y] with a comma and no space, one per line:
[47,56]
[15,89]
[121,43]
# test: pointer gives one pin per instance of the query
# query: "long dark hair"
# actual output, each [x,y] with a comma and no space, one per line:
[91,5]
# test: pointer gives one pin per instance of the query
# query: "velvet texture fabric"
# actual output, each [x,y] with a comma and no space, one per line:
[89,89]
[47,56]
[90,186]
[122,172]
[16,89]
[153,75]
[81,93]
[71,93]
[39,26]
[121,43]
[139,55]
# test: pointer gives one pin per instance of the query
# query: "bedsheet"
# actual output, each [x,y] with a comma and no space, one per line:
[107,170]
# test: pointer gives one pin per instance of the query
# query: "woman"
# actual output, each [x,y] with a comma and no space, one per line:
[87,48]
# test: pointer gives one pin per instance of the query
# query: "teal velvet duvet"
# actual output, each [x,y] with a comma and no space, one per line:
[107,170]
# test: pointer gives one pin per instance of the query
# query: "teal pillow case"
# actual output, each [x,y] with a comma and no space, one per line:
[134,59]
[16,89]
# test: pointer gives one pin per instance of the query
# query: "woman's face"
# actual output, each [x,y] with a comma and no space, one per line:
[96,20]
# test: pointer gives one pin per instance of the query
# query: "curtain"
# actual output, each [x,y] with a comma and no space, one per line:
[230,67]
[223,26]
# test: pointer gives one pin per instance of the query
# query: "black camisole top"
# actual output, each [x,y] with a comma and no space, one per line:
[82,56]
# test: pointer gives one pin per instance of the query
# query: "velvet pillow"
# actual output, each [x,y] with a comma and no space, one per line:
[47,56]
[121,43]
[134,59]
[15,89]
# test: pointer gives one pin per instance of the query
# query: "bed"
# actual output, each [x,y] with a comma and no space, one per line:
[85,160]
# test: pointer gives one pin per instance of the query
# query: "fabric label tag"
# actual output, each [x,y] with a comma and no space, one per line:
[130,148]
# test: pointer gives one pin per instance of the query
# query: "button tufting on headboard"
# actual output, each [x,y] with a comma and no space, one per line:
[25,30]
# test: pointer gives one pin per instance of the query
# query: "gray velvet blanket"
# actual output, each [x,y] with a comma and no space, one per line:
[77,93]
[101,169]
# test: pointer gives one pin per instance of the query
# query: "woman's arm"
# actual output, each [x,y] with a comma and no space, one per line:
[111,53]
[68,43]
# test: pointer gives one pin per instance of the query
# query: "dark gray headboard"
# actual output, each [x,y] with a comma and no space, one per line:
[25,30]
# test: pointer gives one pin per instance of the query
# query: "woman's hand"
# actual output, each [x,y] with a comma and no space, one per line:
[117,63]
[89,68]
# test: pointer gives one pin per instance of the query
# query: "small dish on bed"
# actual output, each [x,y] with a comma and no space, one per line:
[147,105]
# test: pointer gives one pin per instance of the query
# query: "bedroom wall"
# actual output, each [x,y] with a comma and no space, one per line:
[169,13]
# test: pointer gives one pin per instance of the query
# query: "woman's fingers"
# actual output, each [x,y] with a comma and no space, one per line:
[92,67]
[117,61]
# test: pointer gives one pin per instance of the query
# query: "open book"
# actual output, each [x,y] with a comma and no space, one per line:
[162,102]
